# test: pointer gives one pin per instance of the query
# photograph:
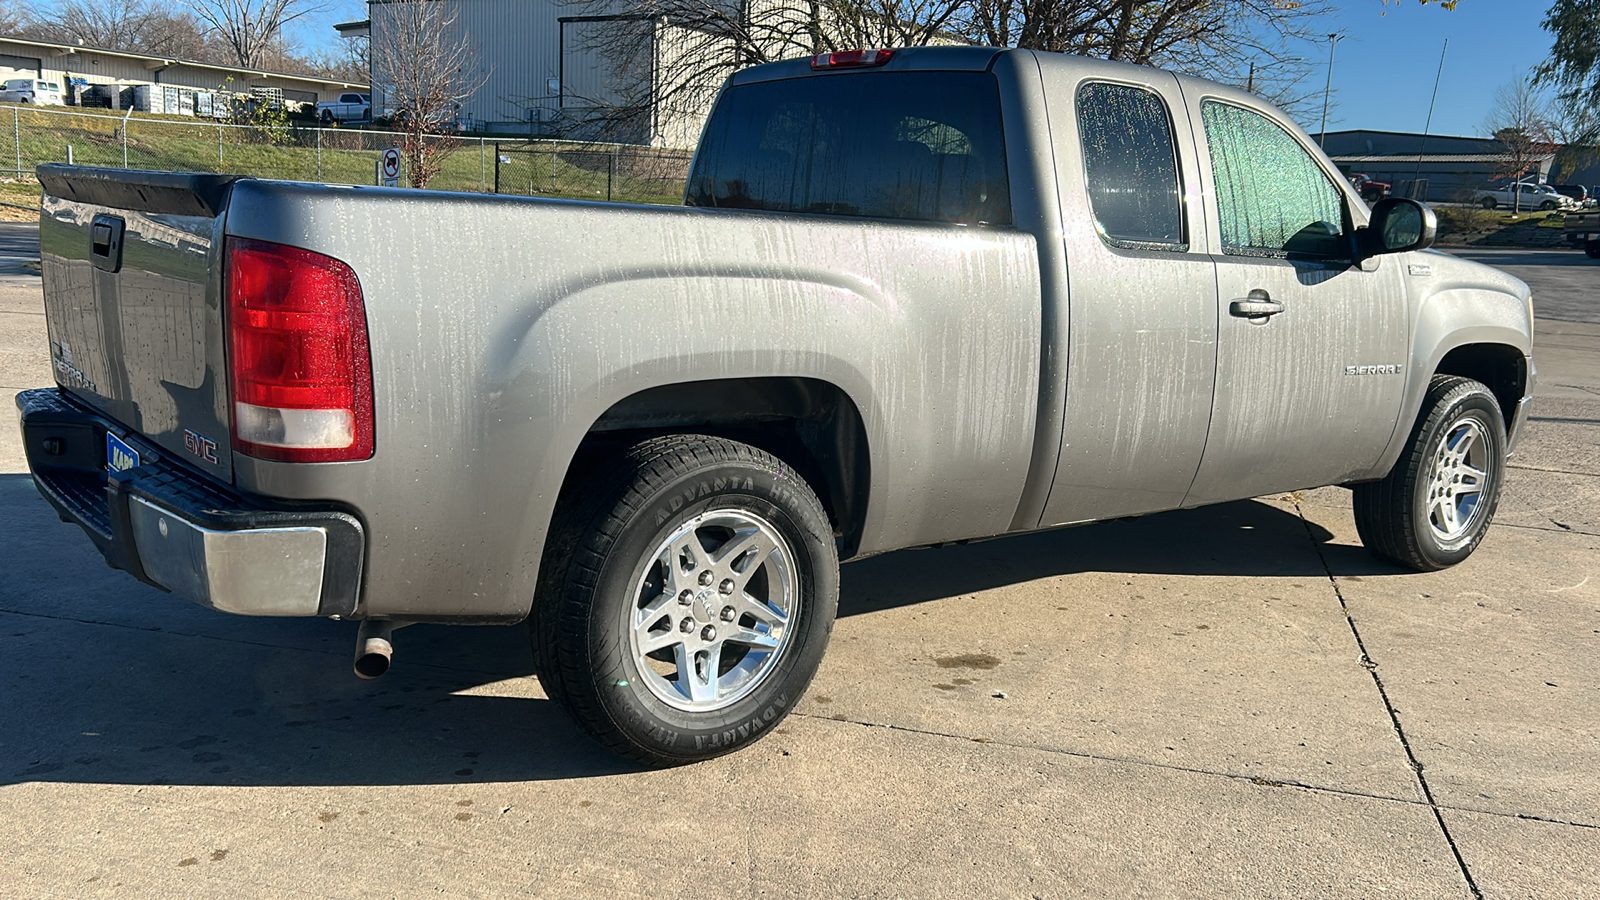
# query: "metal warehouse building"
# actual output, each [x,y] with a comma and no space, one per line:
[543,75]
[67,64]
[1434,168]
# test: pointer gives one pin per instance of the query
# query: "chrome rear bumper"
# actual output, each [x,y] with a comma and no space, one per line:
[184,533]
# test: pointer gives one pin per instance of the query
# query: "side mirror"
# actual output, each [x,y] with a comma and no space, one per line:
[1398,225]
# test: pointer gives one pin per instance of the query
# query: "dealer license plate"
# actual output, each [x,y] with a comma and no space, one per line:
[119,456]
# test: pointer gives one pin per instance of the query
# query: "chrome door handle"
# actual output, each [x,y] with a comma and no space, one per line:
[1257,307]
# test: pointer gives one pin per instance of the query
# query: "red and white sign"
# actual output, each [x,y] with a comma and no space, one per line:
[390,167]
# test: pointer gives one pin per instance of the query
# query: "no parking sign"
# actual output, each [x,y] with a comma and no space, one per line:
[389,168]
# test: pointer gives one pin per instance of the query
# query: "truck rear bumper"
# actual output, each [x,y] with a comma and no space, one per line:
[184,533]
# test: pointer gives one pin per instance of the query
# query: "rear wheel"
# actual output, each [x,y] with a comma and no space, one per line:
[327,117]
[1434,507]
[687,596]
[1489,203]
[1592,249]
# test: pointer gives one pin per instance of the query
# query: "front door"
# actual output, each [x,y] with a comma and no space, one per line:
[1311,347]
[1141,296]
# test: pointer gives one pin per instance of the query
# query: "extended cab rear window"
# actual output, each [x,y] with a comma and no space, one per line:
[895,145]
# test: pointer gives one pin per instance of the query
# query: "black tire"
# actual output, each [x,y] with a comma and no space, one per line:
[1592,249]
[1548,205]
[327,117]
[1489,203]
[1402,517]
[605,566]
[1372,196]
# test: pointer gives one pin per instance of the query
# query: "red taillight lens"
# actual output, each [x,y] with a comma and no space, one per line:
[299,364]
[850,58]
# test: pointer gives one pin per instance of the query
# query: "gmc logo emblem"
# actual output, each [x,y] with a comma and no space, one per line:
[200,446]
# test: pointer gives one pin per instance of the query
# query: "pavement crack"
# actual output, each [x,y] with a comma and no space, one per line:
[1565,529]
[1256,780]
[1553,471]
[1371,666]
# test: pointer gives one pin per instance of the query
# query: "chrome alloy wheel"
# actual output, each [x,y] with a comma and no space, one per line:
[1457,480]
[711,611]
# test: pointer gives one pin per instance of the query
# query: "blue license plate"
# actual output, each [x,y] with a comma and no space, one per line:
[119,456]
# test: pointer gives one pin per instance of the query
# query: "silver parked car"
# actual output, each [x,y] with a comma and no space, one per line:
[1525,195]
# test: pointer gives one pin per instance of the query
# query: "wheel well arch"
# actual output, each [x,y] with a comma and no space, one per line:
[1500,367]
[808,423]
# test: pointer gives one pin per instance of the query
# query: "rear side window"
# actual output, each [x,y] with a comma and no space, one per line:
[895,145]
[1272,197]
[1131,165]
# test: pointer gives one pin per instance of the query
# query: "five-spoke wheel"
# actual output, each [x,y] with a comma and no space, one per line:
[1434,507]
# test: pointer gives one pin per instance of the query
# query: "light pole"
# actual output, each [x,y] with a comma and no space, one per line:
[1333,41]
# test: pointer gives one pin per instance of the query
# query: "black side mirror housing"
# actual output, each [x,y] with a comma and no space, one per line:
[1398,225]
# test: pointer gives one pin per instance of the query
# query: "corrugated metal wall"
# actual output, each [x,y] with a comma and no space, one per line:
[545,75]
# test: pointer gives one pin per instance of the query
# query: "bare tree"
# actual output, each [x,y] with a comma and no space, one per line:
[1219,39]
[674,65]
[1576,131]
[425,68]
[666,59]
[1519,119]
[136,27]
[350,61]
[252,30]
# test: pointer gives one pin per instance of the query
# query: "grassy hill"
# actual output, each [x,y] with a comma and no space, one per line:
[341,156]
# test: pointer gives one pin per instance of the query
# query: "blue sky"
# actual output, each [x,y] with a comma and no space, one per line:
[1383,70]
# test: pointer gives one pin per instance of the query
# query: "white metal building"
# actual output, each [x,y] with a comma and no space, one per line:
[542,75]
[69,64]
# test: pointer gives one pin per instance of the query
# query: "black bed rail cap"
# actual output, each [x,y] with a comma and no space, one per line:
[176,193]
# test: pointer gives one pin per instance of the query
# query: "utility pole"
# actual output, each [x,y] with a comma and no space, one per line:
[1426,129]
[1333,41]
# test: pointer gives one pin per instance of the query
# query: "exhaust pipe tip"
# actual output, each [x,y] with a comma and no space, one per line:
[374,649]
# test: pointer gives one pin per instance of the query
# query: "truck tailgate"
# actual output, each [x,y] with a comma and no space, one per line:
[131,264]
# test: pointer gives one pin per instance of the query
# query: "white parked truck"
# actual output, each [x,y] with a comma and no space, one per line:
[350,107]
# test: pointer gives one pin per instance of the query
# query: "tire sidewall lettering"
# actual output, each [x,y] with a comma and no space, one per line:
[672,732]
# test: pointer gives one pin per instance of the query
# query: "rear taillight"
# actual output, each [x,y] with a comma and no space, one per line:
[850,59]
[299,364]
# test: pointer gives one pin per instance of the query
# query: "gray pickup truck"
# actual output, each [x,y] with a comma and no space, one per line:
[1583,232]
[912,297]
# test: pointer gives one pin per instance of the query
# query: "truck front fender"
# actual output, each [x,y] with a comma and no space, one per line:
[1481,330]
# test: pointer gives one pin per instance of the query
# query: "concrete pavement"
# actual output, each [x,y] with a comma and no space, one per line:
[1234,701]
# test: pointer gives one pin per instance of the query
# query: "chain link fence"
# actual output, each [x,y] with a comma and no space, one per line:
[335,155]
[608,172]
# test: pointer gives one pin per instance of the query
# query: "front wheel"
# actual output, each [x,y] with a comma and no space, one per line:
[1547,205]
[1433,509]
[1592,249]
[687,595]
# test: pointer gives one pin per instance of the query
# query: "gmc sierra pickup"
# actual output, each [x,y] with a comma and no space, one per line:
[913,296]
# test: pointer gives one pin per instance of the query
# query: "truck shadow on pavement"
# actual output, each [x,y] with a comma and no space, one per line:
[104,680]
[1245,539]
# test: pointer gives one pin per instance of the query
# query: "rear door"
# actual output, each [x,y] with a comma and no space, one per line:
[131,266]
[1141,295]
[1311,347]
